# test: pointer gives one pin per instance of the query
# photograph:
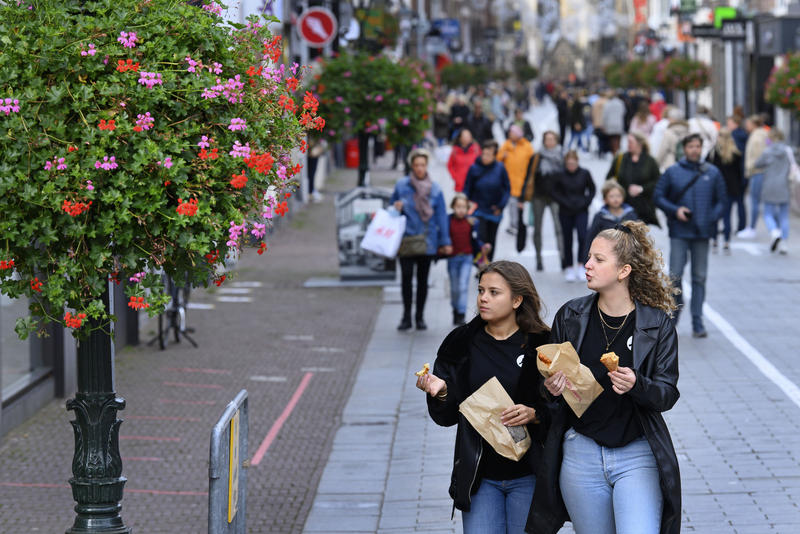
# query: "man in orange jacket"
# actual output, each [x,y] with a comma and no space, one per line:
[515,154]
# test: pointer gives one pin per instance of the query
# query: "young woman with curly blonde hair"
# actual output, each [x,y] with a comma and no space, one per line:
[614,469]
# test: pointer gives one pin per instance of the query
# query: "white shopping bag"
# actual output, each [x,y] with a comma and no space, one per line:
[384,233]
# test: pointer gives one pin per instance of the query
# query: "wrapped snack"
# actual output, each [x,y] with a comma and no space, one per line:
[583,389]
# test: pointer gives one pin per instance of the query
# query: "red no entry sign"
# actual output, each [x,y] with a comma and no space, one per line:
[317,26]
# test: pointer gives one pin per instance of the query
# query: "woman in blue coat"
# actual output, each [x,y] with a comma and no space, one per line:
[422,202]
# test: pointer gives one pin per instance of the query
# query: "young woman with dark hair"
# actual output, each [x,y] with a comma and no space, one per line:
[493,493]
[614,470]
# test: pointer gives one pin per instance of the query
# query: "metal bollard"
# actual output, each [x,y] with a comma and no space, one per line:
[227,475]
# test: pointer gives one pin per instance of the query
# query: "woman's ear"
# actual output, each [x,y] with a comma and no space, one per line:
[624,272]
[516,302]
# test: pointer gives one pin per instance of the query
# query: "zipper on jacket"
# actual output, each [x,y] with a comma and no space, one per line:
[475,474]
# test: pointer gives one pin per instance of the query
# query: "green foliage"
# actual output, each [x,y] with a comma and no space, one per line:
[672,73]
[132,224]
[523,70]
[783,85]
[461,75]
[374,93]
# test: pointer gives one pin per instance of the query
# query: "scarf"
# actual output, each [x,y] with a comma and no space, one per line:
[551,160]
[422,196]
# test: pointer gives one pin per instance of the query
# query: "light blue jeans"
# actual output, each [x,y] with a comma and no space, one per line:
[679,252]
[610,490]
[459,268]
[756,183]
[777,216]
[500,506]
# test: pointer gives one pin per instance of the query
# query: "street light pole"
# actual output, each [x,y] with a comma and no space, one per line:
[97,480]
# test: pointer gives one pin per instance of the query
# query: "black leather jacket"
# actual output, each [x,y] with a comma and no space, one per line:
[655,361]
[452,365]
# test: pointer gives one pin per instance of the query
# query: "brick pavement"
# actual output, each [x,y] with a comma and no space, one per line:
[174,397]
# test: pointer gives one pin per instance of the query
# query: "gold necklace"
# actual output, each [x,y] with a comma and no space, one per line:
[604,324]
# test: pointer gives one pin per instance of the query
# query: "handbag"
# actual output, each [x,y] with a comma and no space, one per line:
[413,245]
[522,231]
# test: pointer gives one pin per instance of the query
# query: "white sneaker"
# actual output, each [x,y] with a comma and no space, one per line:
[747,233]
[569,274]
[580,274]
[775,236]
[317,197]
[782,248]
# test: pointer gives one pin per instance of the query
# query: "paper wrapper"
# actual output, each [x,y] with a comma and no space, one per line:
[585,389]
[483,410]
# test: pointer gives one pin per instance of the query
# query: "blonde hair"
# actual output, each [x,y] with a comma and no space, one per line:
[726,147]
[456,198]
[642,140]
[648,283]
[610,185]
[776,135]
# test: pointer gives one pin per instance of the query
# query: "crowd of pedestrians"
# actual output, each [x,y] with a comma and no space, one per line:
[613,469]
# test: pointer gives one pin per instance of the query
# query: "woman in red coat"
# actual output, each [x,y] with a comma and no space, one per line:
[465,152]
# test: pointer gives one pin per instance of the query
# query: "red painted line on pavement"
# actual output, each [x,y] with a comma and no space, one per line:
[175,401]
[199,370]
[127,490]
[161,418]
[141,459]
[276,426]
[188,385]
[148,438]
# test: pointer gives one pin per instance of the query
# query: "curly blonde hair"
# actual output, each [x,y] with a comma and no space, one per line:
[648,282]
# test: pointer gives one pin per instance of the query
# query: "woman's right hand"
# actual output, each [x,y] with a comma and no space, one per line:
[557,383]
[431,384]
[398,205]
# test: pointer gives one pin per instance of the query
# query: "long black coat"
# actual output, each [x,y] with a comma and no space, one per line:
[655,361]
[452,365]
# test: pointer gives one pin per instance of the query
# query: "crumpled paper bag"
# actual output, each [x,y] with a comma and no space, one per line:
[483,409]
[584,389]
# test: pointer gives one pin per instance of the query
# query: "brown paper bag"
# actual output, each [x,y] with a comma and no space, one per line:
[585,389]
[483,408]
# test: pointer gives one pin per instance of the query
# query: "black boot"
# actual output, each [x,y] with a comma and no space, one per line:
[458,319]
[421,325]
[405,323]
[539,265]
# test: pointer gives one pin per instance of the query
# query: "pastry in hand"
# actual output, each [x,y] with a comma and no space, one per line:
[424,371]
[610,360]
[545,360]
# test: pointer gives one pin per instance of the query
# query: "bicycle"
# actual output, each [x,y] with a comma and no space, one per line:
[174,316]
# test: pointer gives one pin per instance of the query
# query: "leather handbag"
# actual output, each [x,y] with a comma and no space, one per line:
[413,245]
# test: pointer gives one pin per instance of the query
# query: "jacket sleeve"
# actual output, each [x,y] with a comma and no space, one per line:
[764,160]
[443,413]
[720,195]
[660,195]
[651,178]
[442,221]
[590,192]
[557,193]
[395,195]
[503,152]
[451,163]
[659,392]
[468,181]
[505,183]
[594,229]
[664,148]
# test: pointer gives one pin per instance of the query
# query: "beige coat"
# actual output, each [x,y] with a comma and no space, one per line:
[756,144]
[676,131]
[597,112]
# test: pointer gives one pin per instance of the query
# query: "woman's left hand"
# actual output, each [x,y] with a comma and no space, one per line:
[446,250]
[623,379]
[517,415]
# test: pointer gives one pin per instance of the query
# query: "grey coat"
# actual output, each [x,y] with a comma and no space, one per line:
[614,117]
[774,163]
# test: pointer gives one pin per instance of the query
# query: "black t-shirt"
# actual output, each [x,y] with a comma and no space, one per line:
[502,359]
[610,420]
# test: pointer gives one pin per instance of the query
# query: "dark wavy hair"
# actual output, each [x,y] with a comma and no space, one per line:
[518,278]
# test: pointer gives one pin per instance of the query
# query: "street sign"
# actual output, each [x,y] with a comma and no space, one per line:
[227,476]
[705,31]
[317,26]
[734,30]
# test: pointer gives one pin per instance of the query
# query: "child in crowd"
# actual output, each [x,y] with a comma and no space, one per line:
[463,234]
[613,212]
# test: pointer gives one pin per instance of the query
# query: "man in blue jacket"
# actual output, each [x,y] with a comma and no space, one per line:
[692,195]
[488,190]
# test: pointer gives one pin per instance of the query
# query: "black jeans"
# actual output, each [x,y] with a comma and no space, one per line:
[487,233]
[423,264]
[569,224]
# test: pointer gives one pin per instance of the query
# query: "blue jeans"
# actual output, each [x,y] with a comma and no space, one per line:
[500,506]
[726,215]
[459,268]
[610,490]
[777,216]
[679,251]
[756,182]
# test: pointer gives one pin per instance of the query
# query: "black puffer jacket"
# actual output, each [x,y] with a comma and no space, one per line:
[452,366]
[655,361]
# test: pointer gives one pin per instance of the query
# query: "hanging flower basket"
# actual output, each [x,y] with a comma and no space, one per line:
[137,136]
[682,74]
[782,88]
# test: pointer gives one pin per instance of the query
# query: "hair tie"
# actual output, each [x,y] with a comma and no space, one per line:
[623,228]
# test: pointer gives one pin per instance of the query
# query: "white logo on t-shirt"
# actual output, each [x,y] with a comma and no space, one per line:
[520,359]
[630,343]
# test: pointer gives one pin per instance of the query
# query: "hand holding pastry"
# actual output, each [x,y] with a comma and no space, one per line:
[622,380]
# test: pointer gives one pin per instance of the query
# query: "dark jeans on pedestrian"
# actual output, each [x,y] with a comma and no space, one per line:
[312,170]
[423,265]
[487,233]
[569,224]
[741,216]
[679,252]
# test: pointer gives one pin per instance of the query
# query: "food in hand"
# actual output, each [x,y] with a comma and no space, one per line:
[424,371]
[610,360]
[545,360]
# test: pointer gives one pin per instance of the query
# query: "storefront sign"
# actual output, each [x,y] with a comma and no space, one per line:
[705,31]
[734,30]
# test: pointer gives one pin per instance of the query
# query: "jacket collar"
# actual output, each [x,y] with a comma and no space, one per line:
[648,321]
